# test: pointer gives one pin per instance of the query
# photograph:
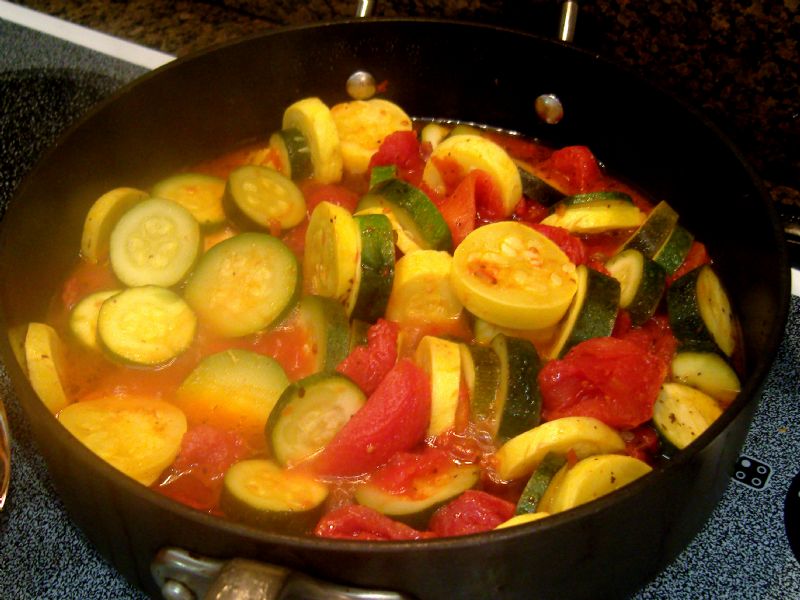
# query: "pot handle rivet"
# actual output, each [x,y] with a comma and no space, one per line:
[549,109]
[361,85]
[175,590]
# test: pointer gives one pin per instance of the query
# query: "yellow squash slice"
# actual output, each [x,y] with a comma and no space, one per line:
[585,436]
[511,275]
[362,125]
[594,477]
[682,413]
[138,435]
[472,152]
[101,219]
[44,356]
[441,359]
[313,119]
[332,260]
[522,519]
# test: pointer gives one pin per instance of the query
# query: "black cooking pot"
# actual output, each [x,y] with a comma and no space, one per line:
[206,104]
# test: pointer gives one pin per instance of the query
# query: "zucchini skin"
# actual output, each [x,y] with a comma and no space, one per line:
[536,188]
[655,231]
[521,408]
[672,254]
[538,483]
[377,267]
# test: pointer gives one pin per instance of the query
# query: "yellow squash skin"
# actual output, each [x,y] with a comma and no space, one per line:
[585,436]
[513,276]
[313,119]
[44,357]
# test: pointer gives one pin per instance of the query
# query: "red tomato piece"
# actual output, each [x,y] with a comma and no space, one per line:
[654,336]
[404,469]
[394,419]
[571,245]
[401,149]
[458,210]
[610,379]
[697,257]
[315,193]
[576,166]
[530,211]
[356,522]
[368,365]
[473,511]
[642,443]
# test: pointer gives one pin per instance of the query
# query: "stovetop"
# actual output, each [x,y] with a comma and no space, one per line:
[743,551]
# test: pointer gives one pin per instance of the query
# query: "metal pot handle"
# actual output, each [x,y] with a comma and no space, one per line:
[182,575]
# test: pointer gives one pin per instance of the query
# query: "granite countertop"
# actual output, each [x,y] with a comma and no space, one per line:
[736,61]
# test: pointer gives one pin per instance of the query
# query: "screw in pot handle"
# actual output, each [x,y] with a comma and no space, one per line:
[183,575]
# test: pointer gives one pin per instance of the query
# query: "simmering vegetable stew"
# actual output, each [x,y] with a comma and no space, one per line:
[368,327]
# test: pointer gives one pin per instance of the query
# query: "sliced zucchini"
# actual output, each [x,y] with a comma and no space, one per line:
[510,274]
[707,371]
[546,501]
[700,312]
[441,360]
[293,152]
[46,361]
[655,231]
[536,188]
[593,477]
[328,330]
[331,264]
[682,413]
[380,173]
[480,367]
[377,266]
[674,251]
[155,243]
[362,125]
[243,284]
[601,198]
[422,495]
[642,283]
[312,118]
[421,291]
[519,402]
[261,197]
[83,318]
[592,313]
[148,325]
[538,483]
[234,389]
[308,415]
[138,435]
[102,218]
[198,193]
[415,212]
[470,152]
[258,492]
[595,217]
[585,436]
[402,239]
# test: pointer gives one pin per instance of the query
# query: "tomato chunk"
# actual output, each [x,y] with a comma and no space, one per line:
[458,209]
[473,511]
[576,168]
[368,364]
[696,257]
[362,523]
[572,246]
[654,336]
[315,193]
[613,380]
[401,149]
[394,419]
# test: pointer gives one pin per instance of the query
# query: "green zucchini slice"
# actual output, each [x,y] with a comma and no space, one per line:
[83,318]
[243,284]
[709,372]
[146,325]
[480,368]
[422,496]
[642,283]
[536,188]
[258,492]
[415,212]
[198,193]
[381,173]
[673,252]
[592,313]
[328,328]
[682,413]
[377,266]
[519,402]
[538,483]
[260,197]
[700,312]
[155,243]
[308,415]
[655,231]
[605,198]
[293,152]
